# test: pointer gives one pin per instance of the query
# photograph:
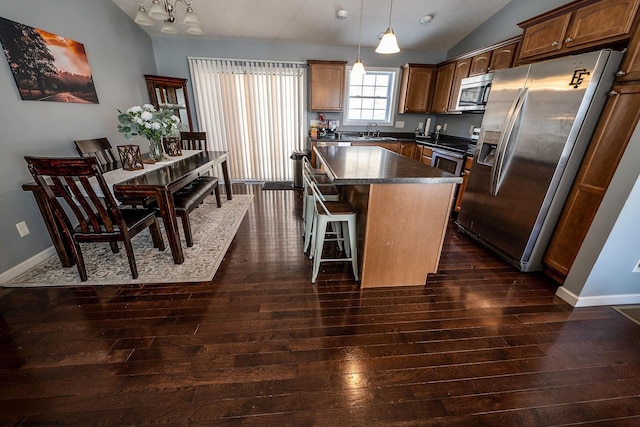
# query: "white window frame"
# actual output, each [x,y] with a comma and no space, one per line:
[391,105]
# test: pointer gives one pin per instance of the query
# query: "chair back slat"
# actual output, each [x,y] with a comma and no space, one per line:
[193,140]
[100,148]
[319,198]
[73,180]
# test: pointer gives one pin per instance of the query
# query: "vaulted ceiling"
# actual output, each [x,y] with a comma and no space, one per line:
[316,22]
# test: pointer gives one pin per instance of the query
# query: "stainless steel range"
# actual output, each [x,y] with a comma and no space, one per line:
[449,153]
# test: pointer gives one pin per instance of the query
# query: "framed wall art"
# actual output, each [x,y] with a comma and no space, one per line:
[45,66]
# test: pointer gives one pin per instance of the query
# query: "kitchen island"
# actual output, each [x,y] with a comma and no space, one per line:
[402,211]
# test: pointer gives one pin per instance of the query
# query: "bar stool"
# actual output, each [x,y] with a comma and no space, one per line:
[329,191]
[320,177]
[340,215]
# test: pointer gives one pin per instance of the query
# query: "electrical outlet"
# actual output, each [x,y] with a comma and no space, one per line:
[444,127]
[637,268]
[400,124]
[420,125]
[22,228]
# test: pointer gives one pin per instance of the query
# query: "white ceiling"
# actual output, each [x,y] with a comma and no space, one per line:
[315,21]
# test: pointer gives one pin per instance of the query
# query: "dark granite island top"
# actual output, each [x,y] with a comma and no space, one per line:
[402,207]
[375,165]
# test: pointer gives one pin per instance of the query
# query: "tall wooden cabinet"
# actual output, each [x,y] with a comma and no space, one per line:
[170,93]
[326,85]
[617,122]
[416,88]
[442,92]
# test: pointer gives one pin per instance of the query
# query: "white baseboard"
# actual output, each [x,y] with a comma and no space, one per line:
[25,266]
[596,300]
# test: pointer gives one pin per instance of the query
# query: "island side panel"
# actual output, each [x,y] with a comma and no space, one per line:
[404,234]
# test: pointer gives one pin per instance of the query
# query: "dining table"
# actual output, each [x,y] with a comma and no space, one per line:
[159,181]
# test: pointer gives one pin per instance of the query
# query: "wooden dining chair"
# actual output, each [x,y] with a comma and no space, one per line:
[198,141]
[100,148]
[99,217]
[193,140]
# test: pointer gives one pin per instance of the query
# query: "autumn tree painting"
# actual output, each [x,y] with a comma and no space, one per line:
[47,67]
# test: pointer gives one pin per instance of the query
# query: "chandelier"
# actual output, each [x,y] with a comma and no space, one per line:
[165,10]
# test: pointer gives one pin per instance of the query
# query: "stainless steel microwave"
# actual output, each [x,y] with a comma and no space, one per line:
[474,92]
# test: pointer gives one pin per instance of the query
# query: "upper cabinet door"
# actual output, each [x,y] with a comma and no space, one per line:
[480,63]
[503,57]
[444,80]
[601,20]
[416,89]
[462,71]
[544,37]
[326,85]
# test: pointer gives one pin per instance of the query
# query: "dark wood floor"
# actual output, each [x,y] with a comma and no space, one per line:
[480,344]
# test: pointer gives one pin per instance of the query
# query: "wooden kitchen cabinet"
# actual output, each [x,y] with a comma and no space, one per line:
[577,26]
[442,92]
[617,123]
[503,57]
[170,93]
[465,177]
[407,149]
[416,88]
[427,153]
[462,68]
[480,63]
[326,85]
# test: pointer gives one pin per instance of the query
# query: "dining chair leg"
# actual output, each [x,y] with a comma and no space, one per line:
[132,260]
[114,247]
[156,237]
[82,269]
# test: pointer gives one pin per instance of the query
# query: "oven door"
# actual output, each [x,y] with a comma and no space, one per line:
[448,161]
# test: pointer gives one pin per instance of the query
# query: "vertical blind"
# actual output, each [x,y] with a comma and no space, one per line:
[253,109]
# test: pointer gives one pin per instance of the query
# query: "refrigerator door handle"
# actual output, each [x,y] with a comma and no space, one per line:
[503,144]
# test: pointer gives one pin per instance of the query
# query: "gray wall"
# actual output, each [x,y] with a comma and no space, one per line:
[119,53]
[504,24]
[172,55]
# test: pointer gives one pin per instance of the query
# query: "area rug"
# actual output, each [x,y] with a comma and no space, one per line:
[213,230]
[632,312]
[278,185]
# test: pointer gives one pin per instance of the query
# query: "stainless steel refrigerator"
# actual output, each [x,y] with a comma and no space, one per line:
[537,125]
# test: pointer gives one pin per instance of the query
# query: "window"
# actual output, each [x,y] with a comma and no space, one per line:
[370,98]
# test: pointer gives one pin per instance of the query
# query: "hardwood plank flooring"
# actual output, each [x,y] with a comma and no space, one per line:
[480,344]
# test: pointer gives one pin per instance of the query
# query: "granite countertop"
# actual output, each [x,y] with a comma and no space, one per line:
[375,165]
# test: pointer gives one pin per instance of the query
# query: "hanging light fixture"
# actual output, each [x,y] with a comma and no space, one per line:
[164,10]
[358,68]
[389,43]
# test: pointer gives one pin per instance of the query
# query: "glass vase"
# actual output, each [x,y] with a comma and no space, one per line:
[156,153]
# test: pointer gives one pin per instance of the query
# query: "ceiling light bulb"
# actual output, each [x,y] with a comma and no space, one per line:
[426,19]
[389,43]
[157,11]
[142,18]
[190,18]
[168,28]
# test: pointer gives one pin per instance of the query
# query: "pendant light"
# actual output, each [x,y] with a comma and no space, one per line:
[358,68]
[389,43]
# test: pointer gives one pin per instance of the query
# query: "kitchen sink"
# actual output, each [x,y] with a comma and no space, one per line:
[368,138]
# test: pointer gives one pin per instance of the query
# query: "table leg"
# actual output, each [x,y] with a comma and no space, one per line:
[170,221]
[227,180]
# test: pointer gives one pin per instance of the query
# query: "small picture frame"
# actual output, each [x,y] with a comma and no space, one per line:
[172,146]
[130,157]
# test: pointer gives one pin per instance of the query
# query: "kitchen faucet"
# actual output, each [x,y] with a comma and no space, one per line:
[372,126]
